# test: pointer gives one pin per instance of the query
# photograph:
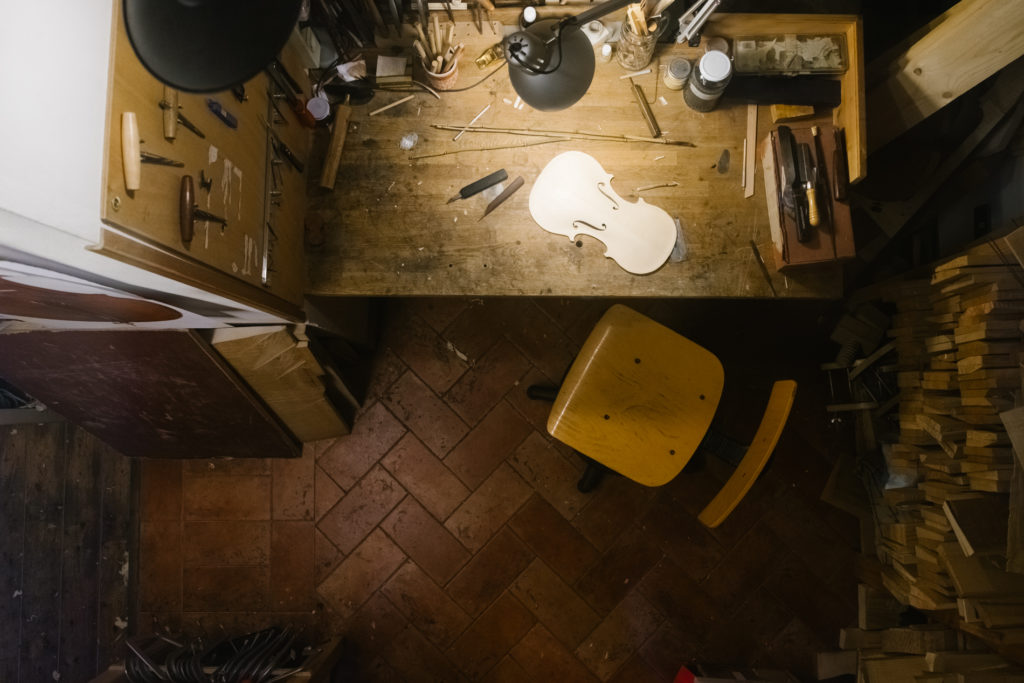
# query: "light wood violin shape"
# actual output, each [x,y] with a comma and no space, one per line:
[573,196]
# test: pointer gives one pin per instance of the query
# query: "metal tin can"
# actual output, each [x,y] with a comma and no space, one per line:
[677,73]
[713,73]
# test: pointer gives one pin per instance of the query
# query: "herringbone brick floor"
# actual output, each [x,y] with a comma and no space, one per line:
[446,540]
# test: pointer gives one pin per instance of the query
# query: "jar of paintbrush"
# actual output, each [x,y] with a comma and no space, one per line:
[638,38]
[439,54]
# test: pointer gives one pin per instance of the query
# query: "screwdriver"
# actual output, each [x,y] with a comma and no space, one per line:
[480,185]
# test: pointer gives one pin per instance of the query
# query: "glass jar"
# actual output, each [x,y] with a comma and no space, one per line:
[708,81]
[635,52]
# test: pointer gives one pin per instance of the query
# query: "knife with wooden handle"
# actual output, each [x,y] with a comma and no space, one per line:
[807,182]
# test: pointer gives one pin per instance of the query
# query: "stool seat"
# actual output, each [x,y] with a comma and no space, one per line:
[638,398]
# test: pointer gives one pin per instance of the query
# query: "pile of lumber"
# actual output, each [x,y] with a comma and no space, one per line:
[948,520]
[879,650]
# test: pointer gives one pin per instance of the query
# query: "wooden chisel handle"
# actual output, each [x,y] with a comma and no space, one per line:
[812,205]
[131,151]
[170,107]
[487,5]
[333,158]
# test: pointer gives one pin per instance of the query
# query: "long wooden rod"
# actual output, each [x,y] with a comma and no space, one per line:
[572,135]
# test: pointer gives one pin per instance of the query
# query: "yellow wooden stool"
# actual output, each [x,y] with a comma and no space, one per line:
[639,399]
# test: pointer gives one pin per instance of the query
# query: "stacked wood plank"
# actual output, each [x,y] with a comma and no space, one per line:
[942,522]
[885,652]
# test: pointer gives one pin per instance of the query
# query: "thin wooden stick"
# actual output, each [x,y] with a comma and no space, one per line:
[475,119]
[548,141]
[576,135]
[393,104]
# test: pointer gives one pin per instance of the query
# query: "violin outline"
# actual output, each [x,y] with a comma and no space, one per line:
[573,196]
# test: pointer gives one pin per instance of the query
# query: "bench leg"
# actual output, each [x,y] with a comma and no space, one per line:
[542,392]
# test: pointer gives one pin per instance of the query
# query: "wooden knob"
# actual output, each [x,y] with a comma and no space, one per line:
[812,206]
[187,208]
[131,151]
[170,107]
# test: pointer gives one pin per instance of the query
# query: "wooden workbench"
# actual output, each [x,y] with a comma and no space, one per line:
[390,232]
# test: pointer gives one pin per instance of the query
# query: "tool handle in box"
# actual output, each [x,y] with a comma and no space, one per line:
[812,206]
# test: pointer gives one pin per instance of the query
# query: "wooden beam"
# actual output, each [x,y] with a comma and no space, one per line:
[966,45]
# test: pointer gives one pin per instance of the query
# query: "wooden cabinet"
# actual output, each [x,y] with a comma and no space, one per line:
[239,173]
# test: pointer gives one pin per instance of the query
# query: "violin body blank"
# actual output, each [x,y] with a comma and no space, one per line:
[573,196]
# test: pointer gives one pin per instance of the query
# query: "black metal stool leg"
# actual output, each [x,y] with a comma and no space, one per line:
[592,476]
[542,392]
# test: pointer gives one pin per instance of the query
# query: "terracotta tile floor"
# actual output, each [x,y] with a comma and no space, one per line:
[446,539]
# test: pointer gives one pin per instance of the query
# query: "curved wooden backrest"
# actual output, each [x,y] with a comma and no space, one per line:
[768,432]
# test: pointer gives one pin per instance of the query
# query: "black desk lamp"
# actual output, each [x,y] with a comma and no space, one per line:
[208,45]
[551,62]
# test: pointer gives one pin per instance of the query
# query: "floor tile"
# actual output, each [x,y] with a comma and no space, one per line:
[226,543]
[483,385]
[508,670]
[425,414]
[417,660]
[683,537]
[225,589]
[476,329]
[387,367]
[487,445]
[427,354]
[159,489]
[789,580]
[553,539]
[742,569]
[438,311]
[540,340]
[544,468]
[555,604]
[612,508]
[544,658]
[668,649]
[490,572]
[352,456]
[361,509]
[794,647]
[425,541]
[238,467]
[619,635]
[487,508]
[425,477]
[491,636]
[680,598]
[226,497]
[636,670]
[620,568]
[361,573]
[292,566]
[326,493]
[535,411]
[292,487]
[425,605]
[326,557]
[160,552]
[374,626]
[744,636]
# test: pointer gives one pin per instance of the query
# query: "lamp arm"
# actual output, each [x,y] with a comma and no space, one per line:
[587,16]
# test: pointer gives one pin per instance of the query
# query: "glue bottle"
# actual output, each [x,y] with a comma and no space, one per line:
[708,81]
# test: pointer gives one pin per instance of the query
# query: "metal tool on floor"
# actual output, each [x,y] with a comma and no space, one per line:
[480,185]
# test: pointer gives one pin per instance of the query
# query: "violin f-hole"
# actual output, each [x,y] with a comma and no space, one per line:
[600,188]
[576,223]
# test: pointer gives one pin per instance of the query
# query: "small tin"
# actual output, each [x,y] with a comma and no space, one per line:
[677,73]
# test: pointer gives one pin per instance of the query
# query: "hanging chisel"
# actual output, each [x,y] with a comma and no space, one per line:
[173,115]
[132,156]
[280,146]
[480,185]
[505,194]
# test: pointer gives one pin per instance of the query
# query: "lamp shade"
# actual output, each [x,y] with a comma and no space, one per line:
[208,45]
[550,71]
